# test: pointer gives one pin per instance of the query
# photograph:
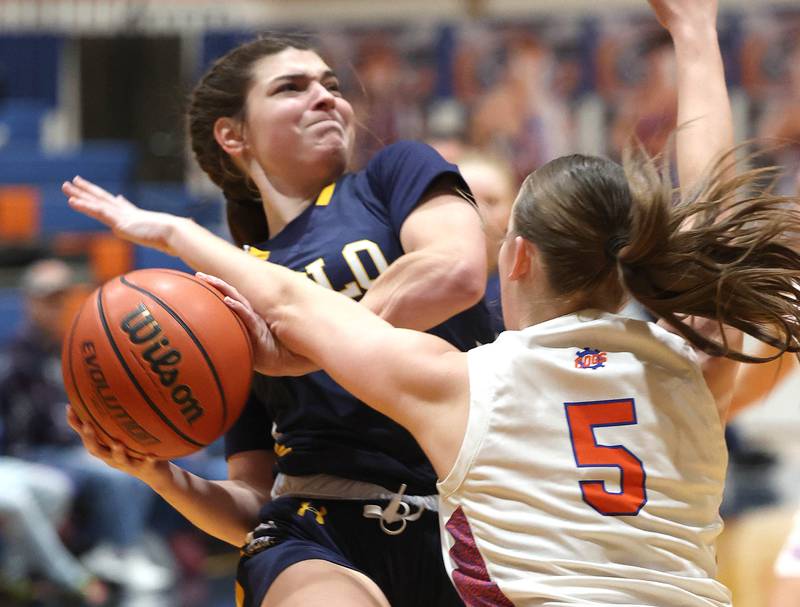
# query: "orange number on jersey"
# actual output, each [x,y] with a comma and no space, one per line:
[582,419]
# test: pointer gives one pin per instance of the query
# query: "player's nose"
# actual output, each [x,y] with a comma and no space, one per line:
[323,98]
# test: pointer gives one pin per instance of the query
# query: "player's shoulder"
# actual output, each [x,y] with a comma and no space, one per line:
[605,330]
[407,146]
[404,150]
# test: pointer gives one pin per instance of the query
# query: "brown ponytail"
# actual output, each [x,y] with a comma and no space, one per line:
[729,251]
[717,253]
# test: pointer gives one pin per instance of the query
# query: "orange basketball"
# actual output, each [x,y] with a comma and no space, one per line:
[157,361]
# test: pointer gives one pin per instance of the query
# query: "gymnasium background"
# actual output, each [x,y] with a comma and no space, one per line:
[96,87]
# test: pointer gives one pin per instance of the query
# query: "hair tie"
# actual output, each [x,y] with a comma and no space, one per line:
[614,245]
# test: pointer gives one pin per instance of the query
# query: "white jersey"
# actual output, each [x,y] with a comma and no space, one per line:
[591,471]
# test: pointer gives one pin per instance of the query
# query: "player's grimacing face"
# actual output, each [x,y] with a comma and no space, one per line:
[295,113]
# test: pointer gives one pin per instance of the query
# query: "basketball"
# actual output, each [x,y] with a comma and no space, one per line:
[156,360]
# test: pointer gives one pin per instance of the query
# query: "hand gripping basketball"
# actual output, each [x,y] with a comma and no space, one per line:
[270,356]
[156,361]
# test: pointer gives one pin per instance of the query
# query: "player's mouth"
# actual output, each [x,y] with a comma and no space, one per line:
[327,123]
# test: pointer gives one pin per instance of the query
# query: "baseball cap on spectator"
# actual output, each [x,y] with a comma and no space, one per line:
[47,277]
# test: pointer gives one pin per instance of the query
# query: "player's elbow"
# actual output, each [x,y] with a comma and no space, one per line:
[466,281]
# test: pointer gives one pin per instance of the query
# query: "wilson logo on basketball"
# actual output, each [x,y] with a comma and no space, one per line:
[143,330]
[104,395]
[589,358]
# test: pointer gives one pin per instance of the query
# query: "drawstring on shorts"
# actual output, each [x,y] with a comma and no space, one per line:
[396,510]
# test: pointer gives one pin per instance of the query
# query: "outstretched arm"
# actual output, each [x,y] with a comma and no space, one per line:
[705,122]
[705,132]
[755,382]
[417,379]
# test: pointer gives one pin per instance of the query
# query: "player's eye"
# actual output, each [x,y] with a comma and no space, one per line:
[287,87]
[333,87]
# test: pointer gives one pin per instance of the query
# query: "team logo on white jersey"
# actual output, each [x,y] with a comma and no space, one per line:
[589,358]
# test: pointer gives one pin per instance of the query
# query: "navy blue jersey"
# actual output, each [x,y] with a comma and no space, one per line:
[344,241]
[493,303]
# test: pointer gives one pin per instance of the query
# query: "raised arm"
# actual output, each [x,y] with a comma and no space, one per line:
[705,132]
[704,112]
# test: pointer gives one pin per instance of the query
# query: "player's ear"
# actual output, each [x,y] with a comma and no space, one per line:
[523,253]
[229,134]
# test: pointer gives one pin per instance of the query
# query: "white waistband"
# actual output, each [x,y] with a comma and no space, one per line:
[325,486]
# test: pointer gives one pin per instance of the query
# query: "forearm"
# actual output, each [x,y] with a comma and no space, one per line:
[756,381]
[206,252]
[423,289]
[290,302]
[704,112]
[227,510]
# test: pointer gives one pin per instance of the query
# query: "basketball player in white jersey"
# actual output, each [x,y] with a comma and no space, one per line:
[581,456]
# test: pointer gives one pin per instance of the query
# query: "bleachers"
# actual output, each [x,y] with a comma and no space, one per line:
[24,163]
[107,161]
[33,208]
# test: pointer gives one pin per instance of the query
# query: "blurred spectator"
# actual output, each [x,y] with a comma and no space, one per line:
[522,116]
[494,186]
[780,117]
[750,482]
[755,382]
[32,405]
[188,543]
[34,503]
[647,108]
[446,126]
[392,96]
[754,508]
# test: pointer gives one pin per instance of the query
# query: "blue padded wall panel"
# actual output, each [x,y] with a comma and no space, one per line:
[109,162]
[57,216]
[21,120]
[174,198]
[12,311]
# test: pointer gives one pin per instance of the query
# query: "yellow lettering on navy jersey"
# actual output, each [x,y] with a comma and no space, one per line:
[316,269]
[281,450]
[350,253]
[255,252]
[325,195]
[319,514]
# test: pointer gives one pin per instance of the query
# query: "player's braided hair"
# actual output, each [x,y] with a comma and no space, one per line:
[726,251]
[222,92]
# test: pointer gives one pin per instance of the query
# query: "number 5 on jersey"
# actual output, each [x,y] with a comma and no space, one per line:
[582,419]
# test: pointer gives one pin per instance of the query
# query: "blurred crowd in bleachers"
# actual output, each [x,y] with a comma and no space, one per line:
[520,92]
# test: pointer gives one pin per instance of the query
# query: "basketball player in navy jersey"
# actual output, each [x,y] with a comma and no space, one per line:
[582,456]
[270,127]
[330,446]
